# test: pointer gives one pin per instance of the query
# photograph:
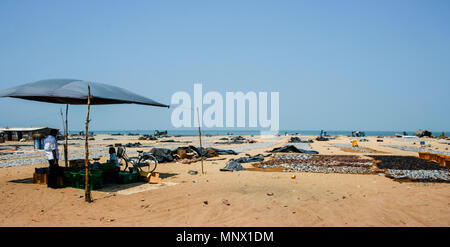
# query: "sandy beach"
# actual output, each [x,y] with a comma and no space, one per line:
[239,198]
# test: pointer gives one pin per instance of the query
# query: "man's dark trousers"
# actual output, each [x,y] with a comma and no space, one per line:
[52,175]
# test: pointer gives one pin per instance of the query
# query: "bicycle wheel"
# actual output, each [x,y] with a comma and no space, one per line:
[149,165]
[123,163]
[135,163]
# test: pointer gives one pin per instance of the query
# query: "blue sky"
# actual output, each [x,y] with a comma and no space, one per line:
[338,65]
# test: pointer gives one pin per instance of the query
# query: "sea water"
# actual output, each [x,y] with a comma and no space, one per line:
[194,132]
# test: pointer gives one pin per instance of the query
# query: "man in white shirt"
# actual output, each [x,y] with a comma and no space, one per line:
[51,151]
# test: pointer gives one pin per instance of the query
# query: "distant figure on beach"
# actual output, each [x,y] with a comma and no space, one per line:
[51,151]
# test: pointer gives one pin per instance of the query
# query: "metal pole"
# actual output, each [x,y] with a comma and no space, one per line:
[87,189]
[200,137]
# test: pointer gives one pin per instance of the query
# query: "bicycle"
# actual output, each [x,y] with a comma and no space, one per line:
[144,162]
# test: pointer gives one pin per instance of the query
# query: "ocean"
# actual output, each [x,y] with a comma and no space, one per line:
[193,132]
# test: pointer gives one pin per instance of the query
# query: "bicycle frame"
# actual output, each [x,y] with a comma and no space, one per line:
[136,161]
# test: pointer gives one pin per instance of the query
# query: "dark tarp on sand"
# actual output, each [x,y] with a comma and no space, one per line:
[298,140]
[292,149]
[255,158]
[166,155]
[224,151]
[197,150]
[162,154]
[233,165]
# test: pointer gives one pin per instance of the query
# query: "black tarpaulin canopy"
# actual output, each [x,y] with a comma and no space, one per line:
[74,92]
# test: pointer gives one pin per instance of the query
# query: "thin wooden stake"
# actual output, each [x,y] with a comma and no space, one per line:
[87,189]
[64,127]
[200,137]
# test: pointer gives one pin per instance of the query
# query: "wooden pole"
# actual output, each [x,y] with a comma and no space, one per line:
[66,145]
[200,137]
[87,189]
[64,127]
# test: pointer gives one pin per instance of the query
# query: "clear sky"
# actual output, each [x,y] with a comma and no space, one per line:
[338,65]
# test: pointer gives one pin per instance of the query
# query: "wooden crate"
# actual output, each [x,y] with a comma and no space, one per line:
[152,178]
[155,179]
[40,178]
[145,176]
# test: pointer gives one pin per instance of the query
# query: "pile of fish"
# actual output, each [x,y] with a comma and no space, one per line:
[421,175]
[417,149]
[251,146]
[320,164]
[43,160]
[22,155]
[28,157]
[413,168]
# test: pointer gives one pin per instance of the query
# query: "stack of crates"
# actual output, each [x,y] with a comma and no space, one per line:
[95,180]
[71,178]
[78,179]
[128,177]
[110,173]
[107,166]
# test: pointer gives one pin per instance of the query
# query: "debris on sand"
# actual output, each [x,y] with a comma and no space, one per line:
[192,172]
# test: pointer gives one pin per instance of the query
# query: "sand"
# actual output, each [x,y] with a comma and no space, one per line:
[255,198]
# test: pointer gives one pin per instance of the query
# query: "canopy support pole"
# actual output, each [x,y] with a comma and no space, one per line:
[87,189]
[66,145]
[200,137]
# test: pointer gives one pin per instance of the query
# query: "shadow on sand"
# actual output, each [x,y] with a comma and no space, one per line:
[22,181]
[109,188]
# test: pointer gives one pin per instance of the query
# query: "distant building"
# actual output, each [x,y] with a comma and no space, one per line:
[18,133]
